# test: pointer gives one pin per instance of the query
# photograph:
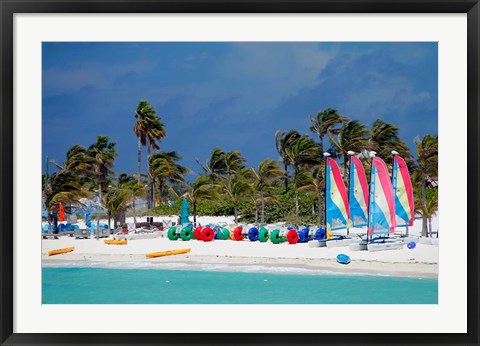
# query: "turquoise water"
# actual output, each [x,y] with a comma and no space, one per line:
[155,286]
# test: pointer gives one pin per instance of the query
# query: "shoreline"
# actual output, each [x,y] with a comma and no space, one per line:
[305,266]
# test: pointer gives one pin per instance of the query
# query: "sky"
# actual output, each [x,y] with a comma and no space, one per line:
[233,95]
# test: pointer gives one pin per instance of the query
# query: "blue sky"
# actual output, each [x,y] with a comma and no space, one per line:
[232,95]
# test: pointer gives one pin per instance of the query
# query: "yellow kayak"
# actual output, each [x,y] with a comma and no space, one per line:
[167,253]
[60,251]
[115,242]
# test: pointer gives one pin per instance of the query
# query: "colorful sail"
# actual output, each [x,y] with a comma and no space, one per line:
[403,193]
[337,208]
[358,193]
[381,202]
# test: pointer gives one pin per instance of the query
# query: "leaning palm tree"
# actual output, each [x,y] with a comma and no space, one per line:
[116,202]
[385,138]
[165,170]
[237,188]
[354,136]
[148,128]
[267,172]
[427,211]
[215,165]
[200,189]
[324,122]
[282,141]
[302,153]
[103,153]
[427,166]
[314,181]
[155,133]
[62,187]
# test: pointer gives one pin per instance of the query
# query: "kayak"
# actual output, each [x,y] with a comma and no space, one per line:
[60,251]
[115,242]
[167,253]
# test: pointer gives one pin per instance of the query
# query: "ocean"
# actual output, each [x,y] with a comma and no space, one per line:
[81,285]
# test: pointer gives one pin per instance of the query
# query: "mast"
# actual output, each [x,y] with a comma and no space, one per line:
[394,175]
[350,154]
[370,199]
[325,155]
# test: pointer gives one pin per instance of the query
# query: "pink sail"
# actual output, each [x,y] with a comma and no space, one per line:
[358,193]
[337,208]
[381,204]
[403,193]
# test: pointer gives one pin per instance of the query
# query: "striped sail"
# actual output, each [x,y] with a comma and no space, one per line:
[358,193]
[337,208]
[403,193]
[381,204]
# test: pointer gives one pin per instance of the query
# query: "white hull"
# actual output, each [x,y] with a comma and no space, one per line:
[341,242]
[385,245]
[360,246]
[314,243]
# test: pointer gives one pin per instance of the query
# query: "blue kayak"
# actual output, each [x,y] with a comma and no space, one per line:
[343,259]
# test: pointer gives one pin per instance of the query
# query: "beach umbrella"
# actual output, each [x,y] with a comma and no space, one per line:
[184,212]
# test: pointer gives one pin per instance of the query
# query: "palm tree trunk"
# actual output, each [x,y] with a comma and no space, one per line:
[195,213]
[297,208]
[320,216]
[430,226]
[424,201]
[256,214]
[286,177]
[134,215]
[109,220]
[149,194]
[262,220]
[139,159]
[235,212]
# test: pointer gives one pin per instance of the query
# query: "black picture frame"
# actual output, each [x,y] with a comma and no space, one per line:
[9,7]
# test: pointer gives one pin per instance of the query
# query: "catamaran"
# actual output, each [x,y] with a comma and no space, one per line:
[337,209]
[358,199]
[381,209]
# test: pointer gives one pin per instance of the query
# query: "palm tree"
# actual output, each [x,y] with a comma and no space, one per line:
[200,189]
[215,165]
[302,153]
[266,172]
[103,153]
[352,136]
[237,188]
[314,181]
[282,141]
[427,165]
[324,122]
[116,201]
[155,133]
[62,187]
[427,211]
[164,169]
[149,130]
[385,138]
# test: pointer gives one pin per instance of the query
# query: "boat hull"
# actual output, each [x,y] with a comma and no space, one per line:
[385,245]
[341,242]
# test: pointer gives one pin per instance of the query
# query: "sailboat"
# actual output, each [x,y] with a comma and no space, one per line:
[337,209]
[381,209]
[403,195]
[358,199]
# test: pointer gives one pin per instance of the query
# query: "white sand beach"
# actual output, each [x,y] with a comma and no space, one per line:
[244,255]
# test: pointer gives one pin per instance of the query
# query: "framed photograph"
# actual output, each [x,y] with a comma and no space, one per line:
[246,172]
